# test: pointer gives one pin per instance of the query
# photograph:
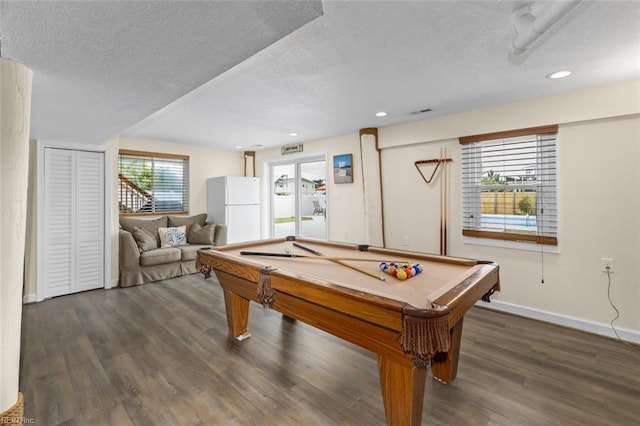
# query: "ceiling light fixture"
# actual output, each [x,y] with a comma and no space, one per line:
[238,146]
[558,74]
[293,134]
[381,114]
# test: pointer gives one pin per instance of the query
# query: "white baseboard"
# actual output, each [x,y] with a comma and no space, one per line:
[31,298]
[28,298]
[563,320]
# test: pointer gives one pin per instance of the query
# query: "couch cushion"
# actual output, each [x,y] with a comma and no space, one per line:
[160,256]
[173,236]
[151,225]
[145,240]
[191,251]
[202,234]
[200,219]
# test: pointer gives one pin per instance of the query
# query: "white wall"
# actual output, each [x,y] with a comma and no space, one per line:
[345,202]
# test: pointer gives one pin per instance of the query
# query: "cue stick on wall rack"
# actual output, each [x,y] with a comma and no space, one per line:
[340,262]
[443,192]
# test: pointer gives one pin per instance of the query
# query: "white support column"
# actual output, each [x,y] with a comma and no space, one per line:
[372,187]
[15,113]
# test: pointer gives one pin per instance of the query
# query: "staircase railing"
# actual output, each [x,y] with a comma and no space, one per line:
[131,197]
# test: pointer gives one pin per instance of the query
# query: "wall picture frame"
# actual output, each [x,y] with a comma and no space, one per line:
[343,168]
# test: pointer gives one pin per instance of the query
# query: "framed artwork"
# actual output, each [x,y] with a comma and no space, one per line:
[342,168]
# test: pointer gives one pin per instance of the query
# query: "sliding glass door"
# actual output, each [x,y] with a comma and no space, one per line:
[298,198]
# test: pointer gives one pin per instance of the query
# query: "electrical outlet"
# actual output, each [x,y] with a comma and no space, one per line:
[607,264]
[405,240]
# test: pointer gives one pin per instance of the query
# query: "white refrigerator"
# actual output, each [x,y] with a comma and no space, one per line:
[235,202]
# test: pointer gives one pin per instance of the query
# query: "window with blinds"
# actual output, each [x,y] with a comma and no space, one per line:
[509,185]
[152,183]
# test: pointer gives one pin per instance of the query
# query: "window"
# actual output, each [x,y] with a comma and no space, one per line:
[509,185]
[152,183]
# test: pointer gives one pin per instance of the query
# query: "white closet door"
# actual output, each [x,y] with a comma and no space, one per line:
[89,220]
[74,230]
[59,218]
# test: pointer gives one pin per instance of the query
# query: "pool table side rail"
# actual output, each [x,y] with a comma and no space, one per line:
[480,285]
[254,244]
[411,255]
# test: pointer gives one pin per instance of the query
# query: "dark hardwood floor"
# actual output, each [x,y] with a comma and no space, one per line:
[158,354]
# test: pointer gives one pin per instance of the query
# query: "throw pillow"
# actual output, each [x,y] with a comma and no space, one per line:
[202,234]
[146,240]
[173,236]
[150,225]
[200,219]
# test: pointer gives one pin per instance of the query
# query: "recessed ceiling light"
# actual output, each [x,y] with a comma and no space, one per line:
[381,114]
[559,74]
[293,134]
[238,146]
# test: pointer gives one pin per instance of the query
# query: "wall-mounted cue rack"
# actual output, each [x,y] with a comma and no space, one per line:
[443,160]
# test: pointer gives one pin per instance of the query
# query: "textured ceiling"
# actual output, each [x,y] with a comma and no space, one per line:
[249,73]
[101,66]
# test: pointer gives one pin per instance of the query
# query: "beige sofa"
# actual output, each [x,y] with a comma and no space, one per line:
[142,257]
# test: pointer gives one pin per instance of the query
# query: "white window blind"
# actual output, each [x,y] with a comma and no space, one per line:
[153,183]
[509,185]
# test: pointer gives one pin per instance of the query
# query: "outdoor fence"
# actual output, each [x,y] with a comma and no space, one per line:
[506,202]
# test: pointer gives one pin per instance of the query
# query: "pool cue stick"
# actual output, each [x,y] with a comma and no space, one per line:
[446,200]
[441,206]
[340,262]
[302,256]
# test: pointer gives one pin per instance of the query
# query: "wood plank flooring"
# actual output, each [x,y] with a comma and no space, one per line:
[158,354]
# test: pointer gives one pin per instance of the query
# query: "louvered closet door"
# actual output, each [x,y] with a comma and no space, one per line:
[59,231]
[90,220]
[74,221]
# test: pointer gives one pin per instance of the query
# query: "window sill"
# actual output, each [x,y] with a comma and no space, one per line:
[514,245]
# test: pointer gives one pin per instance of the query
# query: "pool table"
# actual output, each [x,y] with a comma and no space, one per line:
[341,289]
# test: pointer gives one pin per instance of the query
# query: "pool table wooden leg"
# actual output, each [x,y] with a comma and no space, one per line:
[444,365]
[402,391]
[237,308]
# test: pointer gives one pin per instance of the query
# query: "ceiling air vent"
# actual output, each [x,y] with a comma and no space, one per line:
[422,111]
